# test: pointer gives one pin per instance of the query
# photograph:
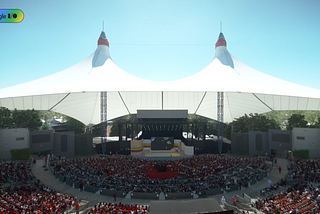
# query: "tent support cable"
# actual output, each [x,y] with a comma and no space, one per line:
[227,100]
[162,100]
[59,102]
[125,105]
[262,101]
[204,95]
[96,103]
[307,103]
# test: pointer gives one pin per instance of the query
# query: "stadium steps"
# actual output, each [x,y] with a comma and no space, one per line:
[128,196]
[161,196]
[195,195]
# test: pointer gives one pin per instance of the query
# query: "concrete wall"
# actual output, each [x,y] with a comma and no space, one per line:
[258,143]
[39,143]
[13,139]
[83,144]
[240,143]
[66,150]
[280,141]
[307,138]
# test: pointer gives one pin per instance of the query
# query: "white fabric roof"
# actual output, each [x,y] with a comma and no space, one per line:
[77,91]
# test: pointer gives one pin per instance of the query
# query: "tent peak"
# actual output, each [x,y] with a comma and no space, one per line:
[101,55]
[222,54]
[221,41]
[103,39]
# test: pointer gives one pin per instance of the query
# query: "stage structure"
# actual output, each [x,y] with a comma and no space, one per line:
[162,123]
[167,127]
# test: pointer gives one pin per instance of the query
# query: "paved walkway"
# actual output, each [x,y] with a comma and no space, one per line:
[47,178]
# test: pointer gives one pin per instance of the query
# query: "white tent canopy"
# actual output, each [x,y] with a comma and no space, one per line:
[77,93]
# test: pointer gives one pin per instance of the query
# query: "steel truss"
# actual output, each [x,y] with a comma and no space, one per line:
[220,119]
[103,120]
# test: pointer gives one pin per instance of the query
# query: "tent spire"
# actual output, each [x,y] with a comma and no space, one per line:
[102,52]
[103,39]
[220,27]
[221,40]
[222,53]
[102,25]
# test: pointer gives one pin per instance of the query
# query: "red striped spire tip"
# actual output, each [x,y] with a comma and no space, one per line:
[103,39]
[221,41]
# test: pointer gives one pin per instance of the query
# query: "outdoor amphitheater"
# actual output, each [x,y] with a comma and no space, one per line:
[162,171]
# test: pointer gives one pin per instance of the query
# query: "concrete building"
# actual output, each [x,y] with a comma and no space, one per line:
[277,142]
[307,138]
[59,143]
[13,139]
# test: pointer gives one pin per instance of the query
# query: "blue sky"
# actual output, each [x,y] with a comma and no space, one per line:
[162,40]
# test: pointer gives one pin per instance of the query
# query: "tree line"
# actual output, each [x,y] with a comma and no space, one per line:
[285,120]
[32,120]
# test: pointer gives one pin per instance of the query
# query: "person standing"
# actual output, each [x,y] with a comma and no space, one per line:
[81,185]
[279,169]
[223,200]
[234,200]
[77,206]
[275,160]
[115,196]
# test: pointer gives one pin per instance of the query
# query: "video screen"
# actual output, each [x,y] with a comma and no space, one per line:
[40,138]
[162,143]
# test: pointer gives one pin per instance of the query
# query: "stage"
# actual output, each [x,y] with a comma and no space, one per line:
[162,154]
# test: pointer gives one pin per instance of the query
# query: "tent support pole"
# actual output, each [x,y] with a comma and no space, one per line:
[220,120]
[103,120]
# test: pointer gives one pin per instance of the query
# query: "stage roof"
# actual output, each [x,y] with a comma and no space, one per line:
[75,91]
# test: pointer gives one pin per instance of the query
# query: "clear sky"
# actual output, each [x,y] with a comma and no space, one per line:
[162,40]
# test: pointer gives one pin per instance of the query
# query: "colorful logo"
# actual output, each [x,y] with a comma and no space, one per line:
[11,15]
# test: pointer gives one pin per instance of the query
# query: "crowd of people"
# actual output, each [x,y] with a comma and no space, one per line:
[34,198]
[298,198]
[125,173]
[301,197]
[12,172]
[305,170]
[118,208]
[131,174]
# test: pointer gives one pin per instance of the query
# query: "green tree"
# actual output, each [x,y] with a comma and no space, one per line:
[5,118]
[45,126]
[50,114]
[115,125]
[296,120]
[282,117]
[311,116]
[74,125]
[316,123]
[212,127]
[254,122]
[26,119]
[227,130]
